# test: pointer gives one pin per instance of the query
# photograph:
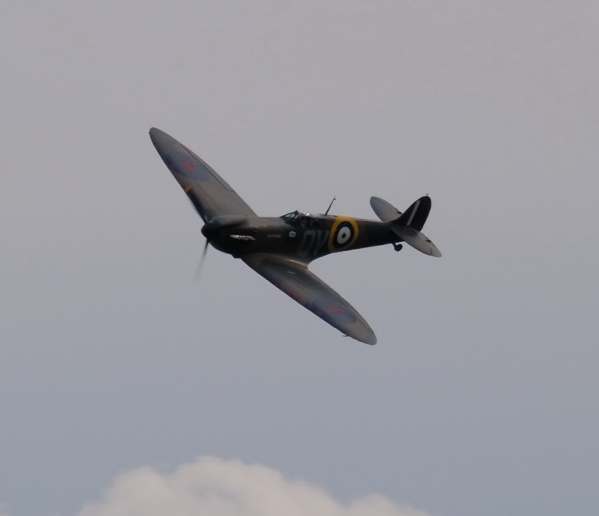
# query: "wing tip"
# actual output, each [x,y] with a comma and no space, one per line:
[371,340]
[367,337]
[154,131]
[160,138]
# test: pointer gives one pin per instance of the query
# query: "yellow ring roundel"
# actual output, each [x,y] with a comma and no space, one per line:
[344,233]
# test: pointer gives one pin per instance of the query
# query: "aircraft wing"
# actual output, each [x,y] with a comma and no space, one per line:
[294,278]
[209,193]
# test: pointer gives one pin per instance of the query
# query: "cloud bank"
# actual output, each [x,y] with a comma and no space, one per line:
[218,487]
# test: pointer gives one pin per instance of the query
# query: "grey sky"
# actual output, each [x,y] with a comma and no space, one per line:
[480,397]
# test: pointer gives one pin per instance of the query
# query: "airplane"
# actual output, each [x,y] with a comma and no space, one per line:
[280,248]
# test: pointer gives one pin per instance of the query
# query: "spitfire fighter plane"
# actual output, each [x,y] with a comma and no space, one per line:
[280,248]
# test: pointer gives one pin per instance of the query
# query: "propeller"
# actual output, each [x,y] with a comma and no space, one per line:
[198,272]
[209,230]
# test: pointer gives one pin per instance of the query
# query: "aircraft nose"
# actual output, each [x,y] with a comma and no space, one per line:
[208,231]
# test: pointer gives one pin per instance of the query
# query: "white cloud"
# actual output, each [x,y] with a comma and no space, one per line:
[218,487]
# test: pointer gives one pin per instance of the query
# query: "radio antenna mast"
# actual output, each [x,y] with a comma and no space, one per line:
[327,212]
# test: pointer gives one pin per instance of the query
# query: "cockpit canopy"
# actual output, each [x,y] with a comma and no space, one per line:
[294,217]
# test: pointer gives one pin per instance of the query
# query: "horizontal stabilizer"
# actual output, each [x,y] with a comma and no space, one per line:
[416,239]
[384,210]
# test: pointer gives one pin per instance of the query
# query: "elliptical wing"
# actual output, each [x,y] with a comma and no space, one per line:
[209,193]
[294,278]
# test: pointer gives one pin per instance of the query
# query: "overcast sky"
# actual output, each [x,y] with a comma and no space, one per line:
[480,397]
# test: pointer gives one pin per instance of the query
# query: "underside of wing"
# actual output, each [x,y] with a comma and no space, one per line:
[209,193]
[294,278]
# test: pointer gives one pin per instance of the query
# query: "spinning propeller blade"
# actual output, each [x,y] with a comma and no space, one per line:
[198,271]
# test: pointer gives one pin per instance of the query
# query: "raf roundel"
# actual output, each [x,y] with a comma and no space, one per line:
[343,233]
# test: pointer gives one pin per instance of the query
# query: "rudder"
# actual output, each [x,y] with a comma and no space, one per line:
[415,216]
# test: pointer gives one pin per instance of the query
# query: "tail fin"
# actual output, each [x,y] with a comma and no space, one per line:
[407,225]
[415,216]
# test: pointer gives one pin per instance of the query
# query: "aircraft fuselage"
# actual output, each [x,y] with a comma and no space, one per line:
[305,237]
